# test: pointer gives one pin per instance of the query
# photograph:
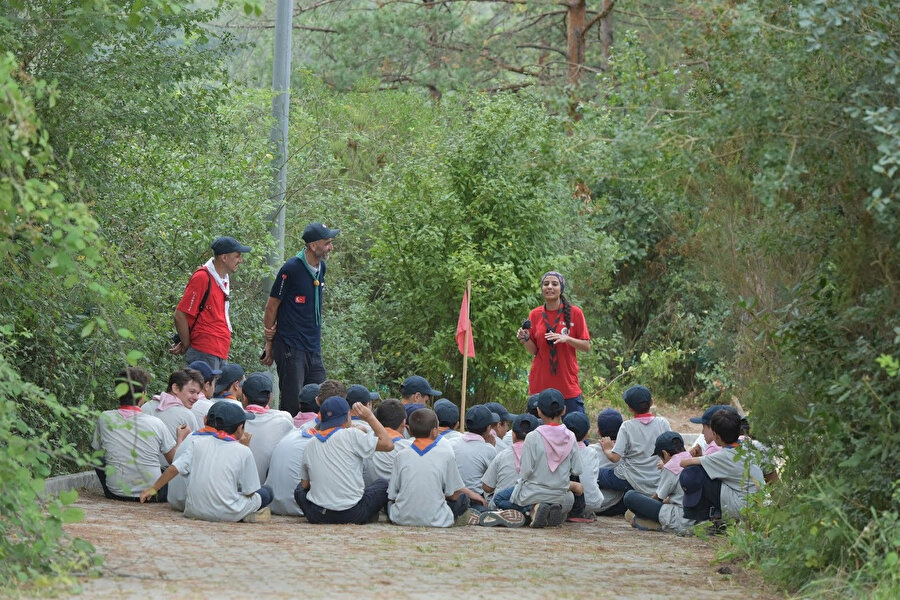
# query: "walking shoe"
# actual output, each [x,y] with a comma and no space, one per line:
[556,516]
[501,518]
[642,524]
[468,518]
[540,514]
[629,516]
[260,516]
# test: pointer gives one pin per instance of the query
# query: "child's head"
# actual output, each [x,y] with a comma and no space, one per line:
[479,419]
[258,389]
[229,382]
[135,380]
[504,415]
[577,423]
[423,423]
[228,417]
[447,413]
[608,422]
[726,425]
[329,388]
[531,405]
[391,414]
[522,425]
[416,390]
[185,384]
[707,416]
[360,393]
[551,404]
[334,412]
[209,376]
[668,444]
[308,398]
[638,399]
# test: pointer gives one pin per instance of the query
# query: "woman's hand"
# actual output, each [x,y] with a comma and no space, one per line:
[523,335]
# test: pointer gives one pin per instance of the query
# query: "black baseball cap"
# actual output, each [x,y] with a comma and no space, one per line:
[414,384]
[666,441]
[636,395]
[447,413]
[333,412]
[551,401]
[205,370]
[224,414]
[257,388]
[411,408]
[524,424]
[308,397]
[501,411]
[577,423]
[316,231]
[691,481]
[225,244]
[480,417]
[231,372]
[360,393]
[709,412]
[608,421]
[531,405]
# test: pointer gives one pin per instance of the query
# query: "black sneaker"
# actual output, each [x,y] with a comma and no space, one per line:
[540,515]
[556,517]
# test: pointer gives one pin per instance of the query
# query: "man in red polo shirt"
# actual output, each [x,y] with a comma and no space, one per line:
[203,326]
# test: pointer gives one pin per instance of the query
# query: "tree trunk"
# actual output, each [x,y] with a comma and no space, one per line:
[606,32]
[576,21]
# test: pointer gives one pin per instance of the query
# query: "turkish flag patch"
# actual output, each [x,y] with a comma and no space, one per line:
[300,299]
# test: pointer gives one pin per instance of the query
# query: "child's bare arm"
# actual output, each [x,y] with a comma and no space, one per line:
[576,488]
[167,476]
[487,489]
[475,498]
[607,444]
[690,462]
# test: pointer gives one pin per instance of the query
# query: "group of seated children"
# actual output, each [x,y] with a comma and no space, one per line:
[339,461]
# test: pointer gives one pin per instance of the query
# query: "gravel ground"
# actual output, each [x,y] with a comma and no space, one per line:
[152,551]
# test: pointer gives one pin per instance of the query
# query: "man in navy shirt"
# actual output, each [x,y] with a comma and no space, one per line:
[293,317]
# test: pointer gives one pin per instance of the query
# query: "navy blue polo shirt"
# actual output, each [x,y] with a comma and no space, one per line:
[296,319]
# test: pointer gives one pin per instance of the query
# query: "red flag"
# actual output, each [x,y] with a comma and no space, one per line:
[464,325]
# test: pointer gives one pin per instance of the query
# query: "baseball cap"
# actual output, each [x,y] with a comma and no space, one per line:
[691,481]
[551,401]
[501,411]
[522,425]
[447,413]
[480,417]
[709,412]
[411,408]
[414,384]
[308,397]
[225,244]
[531,406]
[231,372]
[258,388]
[608,421]
[360,393]
[577,423]
[224,414]
[205,370]
[636,395]
[333,412]
[665,441]
[316,231]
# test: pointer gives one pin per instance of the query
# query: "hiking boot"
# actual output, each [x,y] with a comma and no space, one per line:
[540,515]
[501,518]
[556,517]
[261,516]
[468,518]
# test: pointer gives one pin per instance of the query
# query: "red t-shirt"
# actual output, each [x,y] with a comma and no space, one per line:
[209,333]
[566,378]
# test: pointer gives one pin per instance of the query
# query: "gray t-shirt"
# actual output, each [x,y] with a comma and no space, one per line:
[537,483]
[590,466]
[177,494]
[502,472]
[172,417]
[610,497]
[671,514]
[450,436]
[267,429]
[284,472]
[220,475]
[333,465]
[473,457]
[133,442]
[200,409]
[635,444]
[738,475]
[420,482]
[381,464]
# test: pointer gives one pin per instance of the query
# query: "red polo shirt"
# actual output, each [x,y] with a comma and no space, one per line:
[209,332]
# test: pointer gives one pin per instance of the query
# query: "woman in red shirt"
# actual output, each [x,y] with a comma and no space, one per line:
[557,330]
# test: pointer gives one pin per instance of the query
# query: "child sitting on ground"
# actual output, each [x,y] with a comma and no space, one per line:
[609,421]
[704,443]
[308,407]
[269,426]
[474,451]
[503,472]
[592,499]
[448,419]
[665,509]
[392,415]
[632,452]
[222,482]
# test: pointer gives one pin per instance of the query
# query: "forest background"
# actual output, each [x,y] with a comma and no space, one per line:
[717,180]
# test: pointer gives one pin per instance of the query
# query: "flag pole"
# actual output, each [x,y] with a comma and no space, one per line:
[462,408]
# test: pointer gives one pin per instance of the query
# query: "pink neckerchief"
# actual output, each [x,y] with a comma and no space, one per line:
[674,463]
[256,408]
[472,437]
[558,443]
[517,453]
[712,448]
[129,411]
[304,417]
[644,418]
[167,401]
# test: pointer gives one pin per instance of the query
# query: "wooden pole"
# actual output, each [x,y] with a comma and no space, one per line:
[462,407]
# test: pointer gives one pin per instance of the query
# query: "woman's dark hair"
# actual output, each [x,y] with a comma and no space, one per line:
[567,311]
[136,379]
[181,378]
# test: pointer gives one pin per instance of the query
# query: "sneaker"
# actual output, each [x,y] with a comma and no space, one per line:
[556,516]
[629,516]
[642,524]
[260,516]
[501,518]
[468,518]
[540,514]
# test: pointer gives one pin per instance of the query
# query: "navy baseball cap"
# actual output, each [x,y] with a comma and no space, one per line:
[225,244]
[636,395]
[531,406]
[205,370]
[501,411]
[414,384]
[308,398]
[258,388]
[709,412]
[333,412]
[691,482]
[316,231]
[480,417]
[608,421]
[224,414]
[551,401]
[360,393]
[231,372]
[577,423]
[522,425]
[447,413]
[666,441]
[411,408]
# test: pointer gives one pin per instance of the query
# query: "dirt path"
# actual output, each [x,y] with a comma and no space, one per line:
[288,558]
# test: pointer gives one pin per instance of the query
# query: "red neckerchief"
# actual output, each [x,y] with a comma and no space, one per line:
[256,408]
[644,415]
[127,411]
[216,432]
[130,407]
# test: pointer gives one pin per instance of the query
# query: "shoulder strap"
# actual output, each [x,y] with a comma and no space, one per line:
[205,295]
